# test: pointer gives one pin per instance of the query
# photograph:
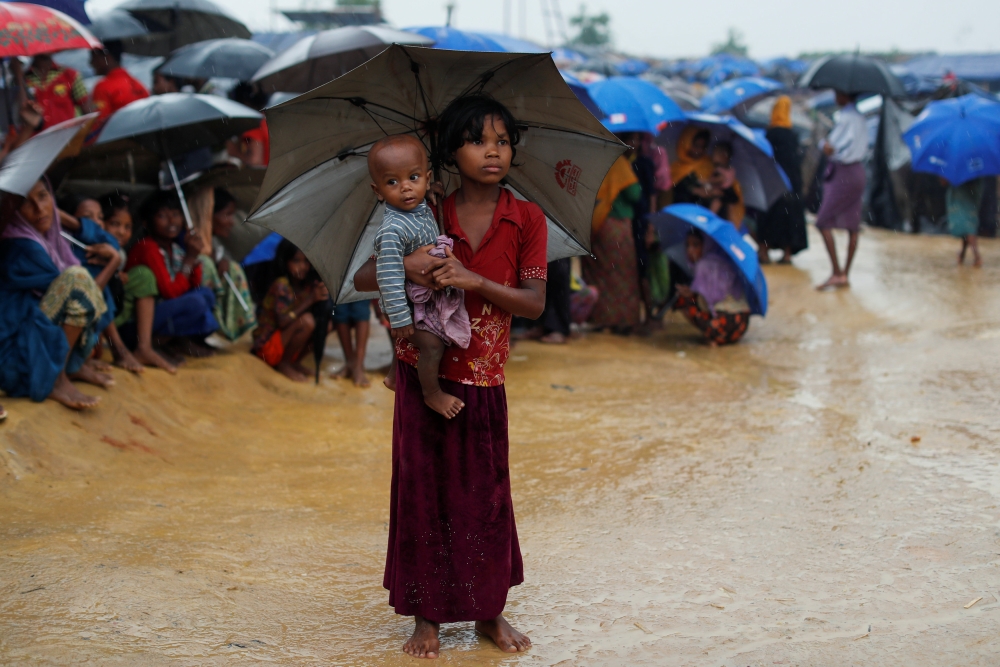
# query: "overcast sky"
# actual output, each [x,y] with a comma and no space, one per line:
[673,28]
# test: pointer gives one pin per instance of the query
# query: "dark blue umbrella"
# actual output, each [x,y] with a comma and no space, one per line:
[632,67]
[457,40]
[634,105]
[743,93]
[957,139]
[762,180]
[673,224]
[579,89]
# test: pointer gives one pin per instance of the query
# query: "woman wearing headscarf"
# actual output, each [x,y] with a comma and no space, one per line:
[843,192]
[613,269]
[784,225]
[693,168]
[715,301]
[49,304]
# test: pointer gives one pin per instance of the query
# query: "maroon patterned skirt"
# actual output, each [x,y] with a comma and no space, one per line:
[721,328]
[453,550]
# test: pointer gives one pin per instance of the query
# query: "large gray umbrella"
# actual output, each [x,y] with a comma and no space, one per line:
[316,190]
[23,166]
[176,23]
[314,60]
[177,123]
[853,74]
[118,25]
[230,58]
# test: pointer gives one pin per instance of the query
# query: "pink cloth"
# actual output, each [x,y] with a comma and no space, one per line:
[655,152]
[441,312]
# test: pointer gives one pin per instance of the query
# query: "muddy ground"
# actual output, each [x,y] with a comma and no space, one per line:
[824,493]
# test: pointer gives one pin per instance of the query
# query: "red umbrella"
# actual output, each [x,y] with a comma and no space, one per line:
[28,30]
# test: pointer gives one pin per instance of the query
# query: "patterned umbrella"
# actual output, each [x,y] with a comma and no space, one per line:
[29,30]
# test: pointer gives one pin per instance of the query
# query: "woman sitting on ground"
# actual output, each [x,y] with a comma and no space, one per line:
[285,325]
[715,301]
[49,304]
[163,295]
[86,225]
[234,307]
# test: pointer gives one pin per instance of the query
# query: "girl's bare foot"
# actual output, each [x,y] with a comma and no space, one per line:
[344,372]
[128,361]
[150,357]
[64,392]
[835,281]
[302,369]
[443,403]
[98,365]
[360,378]
[503,635]
[553,338]
[289,371]
[88,373]
[423,643]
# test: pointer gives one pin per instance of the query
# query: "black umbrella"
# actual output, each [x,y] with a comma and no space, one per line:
[230,58]
[176,23]
[853,74]
[319,58]
[177,123]
[118,25]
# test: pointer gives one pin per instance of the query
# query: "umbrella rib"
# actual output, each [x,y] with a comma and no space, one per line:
[363,103]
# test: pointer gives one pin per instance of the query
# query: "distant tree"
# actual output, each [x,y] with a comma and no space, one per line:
[592,29]
[733,46]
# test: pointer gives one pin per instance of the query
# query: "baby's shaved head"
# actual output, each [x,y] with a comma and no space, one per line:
[392,151]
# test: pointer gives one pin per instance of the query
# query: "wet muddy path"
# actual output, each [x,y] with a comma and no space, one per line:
[826,492]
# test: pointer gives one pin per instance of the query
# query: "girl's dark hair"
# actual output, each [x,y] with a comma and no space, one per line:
[158,202]
[112,202]
[222,199]
[694,232]
[463,120]
[702,134]
[282,256]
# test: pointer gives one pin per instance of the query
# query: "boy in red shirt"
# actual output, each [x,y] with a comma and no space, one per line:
[117,88]
[59,90]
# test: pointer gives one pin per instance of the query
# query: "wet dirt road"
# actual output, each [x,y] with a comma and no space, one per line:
[824,493]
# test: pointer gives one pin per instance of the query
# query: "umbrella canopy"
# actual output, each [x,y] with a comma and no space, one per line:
[957,139]
[673,223]
[579,89]
[634,105]
[738,94]
[176,23]
[118,25]
[30,30]
[511,44]
[853,74]
[177,123]
[444,37]
[230,58]
[23,166]
[71,8]
[762,180]
[322,57]
[316,191]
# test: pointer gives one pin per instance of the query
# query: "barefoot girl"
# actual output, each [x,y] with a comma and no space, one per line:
[49,304]
[453,550]
[284,324]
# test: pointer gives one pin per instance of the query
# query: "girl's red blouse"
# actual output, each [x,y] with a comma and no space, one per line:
[514,249]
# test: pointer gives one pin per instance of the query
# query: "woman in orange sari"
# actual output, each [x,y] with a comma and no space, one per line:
[693,167]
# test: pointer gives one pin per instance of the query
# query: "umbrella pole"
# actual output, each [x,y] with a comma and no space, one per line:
[180,193]
[236,292]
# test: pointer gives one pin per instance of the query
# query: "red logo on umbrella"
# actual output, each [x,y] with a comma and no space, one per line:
[567,175]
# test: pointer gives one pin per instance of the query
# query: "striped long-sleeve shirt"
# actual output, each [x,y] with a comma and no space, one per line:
[401,233]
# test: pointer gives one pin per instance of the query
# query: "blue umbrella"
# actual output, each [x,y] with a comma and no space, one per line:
[72,8]
[762,180]
[579,89]
[511,44]
[562,54]
[957,139]
[632,67]
[634,105]
[743,93]
[457,40]
[673,224]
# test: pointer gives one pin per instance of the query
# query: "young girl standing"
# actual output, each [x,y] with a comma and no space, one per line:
[453,550]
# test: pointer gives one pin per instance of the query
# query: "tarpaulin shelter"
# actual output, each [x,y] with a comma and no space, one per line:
[980,68]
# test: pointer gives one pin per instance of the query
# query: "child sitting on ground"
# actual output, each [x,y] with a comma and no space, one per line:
[285,324]
[401,176]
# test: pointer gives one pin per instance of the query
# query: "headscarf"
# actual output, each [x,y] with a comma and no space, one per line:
[655,152]
[619,177]
[55,246]
[781,113]
[715,275]
[685,164]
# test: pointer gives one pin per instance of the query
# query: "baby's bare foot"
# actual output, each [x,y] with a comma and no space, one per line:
[443,403]
[503,635]
[423,643]
[64,392]
[150,357]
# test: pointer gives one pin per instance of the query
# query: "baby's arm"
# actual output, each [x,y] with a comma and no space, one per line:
[391,278]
